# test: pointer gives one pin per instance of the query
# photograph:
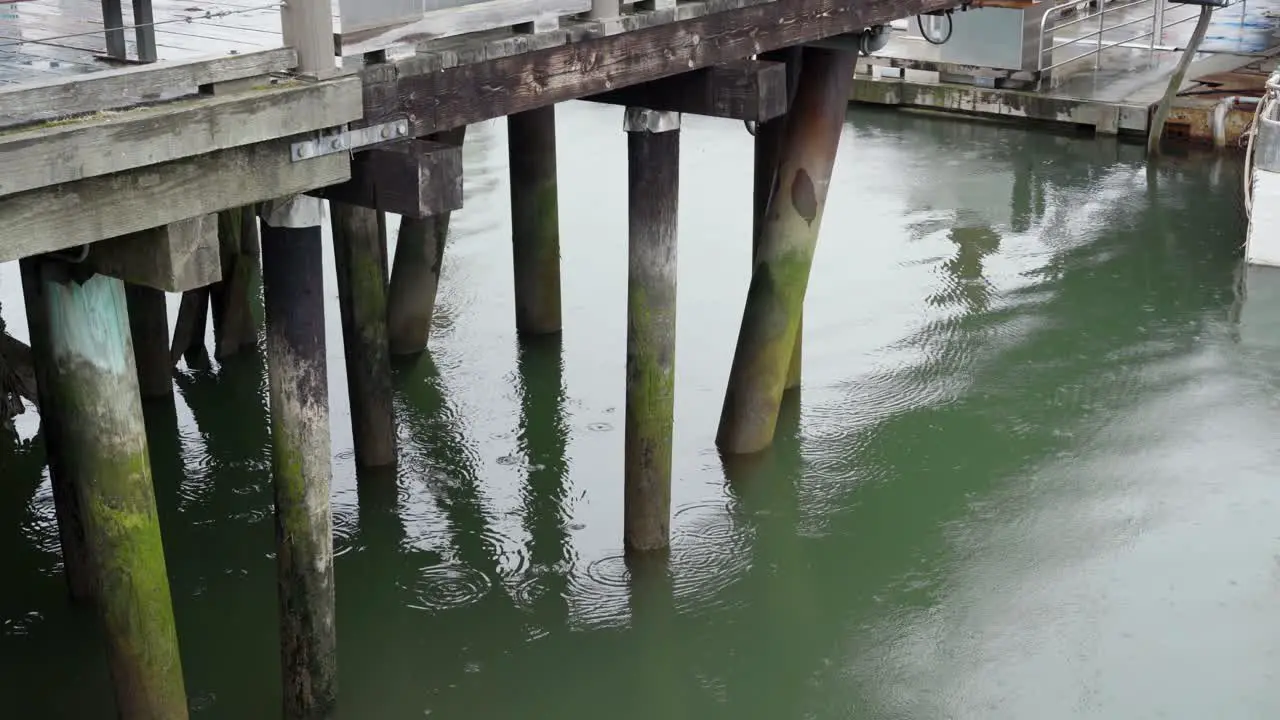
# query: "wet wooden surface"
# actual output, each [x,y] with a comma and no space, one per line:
[41,40]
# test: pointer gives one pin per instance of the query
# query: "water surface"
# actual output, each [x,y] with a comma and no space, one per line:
[1027,475]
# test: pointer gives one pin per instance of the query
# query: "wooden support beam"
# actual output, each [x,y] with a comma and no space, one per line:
[176,257]
[66,505]
[308,26]
[653,157]
[149,328]
[103,446]
[411,296]
[768,144]
[114,89]
[293,288]
[506,79]
[234,327]
[535,220]
[415,178]
[191,328]
[49,155]
[788,237]
[90,210]
[359,244]
[739,90]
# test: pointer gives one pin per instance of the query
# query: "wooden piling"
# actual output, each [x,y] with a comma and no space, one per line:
[234,328]
[149,327]
[103,453]
[775,299]
[191,328]
[653,156]
[293,292]
[75,558]
[415,274]
[768,148]
[359,241]
[535,220]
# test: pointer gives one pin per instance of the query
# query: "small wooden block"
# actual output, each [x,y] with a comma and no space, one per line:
[741,90]
[414,178]
[175,258]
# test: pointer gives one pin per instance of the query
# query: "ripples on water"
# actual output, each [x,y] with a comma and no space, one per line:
[1001,338]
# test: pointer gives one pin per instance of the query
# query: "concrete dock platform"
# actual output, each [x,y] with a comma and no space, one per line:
[1109,92]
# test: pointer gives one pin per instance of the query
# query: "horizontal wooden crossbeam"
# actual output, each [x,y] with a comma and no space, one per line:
[114,89]
[86,211]
[101,144]
[415,178]
[438,90]
[174,258]
[739,90]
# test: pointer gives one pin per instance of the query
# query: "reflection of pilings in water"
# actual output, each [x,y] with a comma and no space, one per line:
[787,610]
[660,684]
[450,467]
[967,286]
[544,435]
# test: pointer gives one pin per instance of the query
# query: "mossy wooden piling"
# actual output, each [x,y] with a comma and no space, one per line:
[149,327]
[359,243]
[653,173]
[102,450]
[415,273]
[293,292]
[535,220]
[66,505]
[775,299]
[768,146]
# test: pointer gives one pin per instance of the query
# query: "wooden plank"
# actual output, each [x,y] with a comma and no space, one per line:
[113,89]
[175,258]
[90,210]
[438,98]
[49,155]
[362,37]
[739,90]
[416,178]
[308,26]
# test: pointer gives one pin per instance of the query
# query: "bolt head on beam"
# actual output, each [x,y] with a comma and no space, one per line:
[650,121]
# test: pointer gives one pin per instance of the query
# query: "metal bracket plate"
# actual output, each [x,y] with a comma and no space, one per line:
[349,140]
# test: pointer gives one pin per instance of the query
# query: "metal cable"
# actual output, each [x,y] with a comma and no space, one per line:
[207,15]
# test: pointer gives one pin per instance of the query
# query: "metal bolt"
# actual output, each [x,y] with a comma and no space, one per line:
[304,151]
[336,144]
[386,133]
[401,130]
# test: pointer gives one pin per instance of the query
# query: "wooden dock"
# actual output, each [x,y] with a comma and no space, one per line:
[188,147]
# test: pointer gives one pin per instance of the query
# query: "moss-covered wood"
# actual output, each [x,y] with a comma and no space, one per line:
[103,453]
[653,190]
[535,220]
[293,290]
[768,145]
[415,274]
[788,236]
[359,242]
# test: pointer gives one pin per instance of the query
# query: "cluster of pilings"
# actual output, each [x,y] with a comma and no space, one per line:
[100,347]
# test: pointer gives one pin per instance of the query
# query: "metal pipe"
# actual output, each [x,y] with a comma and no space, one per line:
[1219,121]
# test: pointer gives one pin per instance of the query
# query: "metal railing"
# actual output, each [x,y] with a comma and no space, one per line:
[1095,38]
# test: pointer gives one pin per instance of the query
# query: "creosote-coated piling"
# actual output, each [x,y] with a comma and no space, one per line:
[149,326]
[768,153]
[293,289]
[415,274]
[775,299]
[653,156]
[535,220]
[359,237]
[75,558]
[103,447]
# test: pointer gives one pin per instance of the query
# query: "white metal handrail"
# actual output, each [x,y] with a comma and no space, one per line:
[1156,17]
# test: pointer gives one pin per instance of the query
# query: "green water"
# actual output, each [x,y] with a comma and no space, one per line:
[1030,474]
